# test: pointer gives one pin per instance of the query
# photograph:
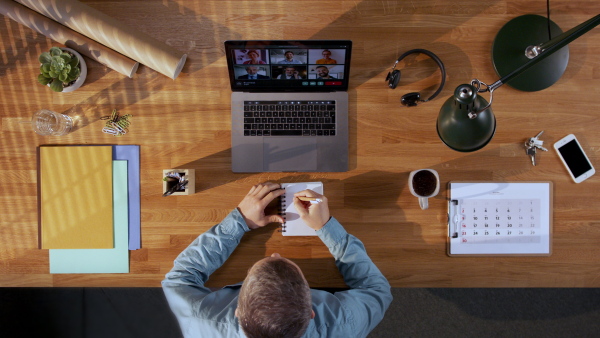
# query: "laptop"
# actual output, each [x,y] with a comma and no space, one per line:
[289,106]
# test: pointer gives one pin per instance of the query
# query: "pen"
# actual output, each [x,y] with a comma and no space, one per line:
[312,200]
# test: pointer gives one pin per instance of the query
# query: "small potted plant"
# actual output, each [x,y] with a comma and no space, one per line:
[62,69]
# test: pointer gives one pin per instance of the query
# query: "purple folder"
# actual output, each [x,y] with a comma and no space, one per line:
[131,153]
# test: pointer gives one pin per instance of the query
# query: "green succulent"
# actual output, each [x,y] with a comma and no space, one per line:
[58,68]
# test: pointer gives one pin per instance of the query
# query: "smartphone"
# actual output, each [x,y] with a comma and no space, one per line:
[574,158]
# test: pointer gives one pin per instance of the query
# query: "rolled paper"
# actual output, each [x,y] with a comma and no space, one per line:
[112,33]
[68,37]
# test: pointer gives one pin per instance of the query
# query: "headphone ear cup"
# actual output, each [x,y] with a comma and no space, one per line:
[393,78]
[410,99]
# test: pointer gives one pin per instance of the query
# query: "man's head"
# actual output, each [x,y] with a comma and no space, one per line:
[275,300]
[326,54]
[289,71]
[289,55]
[322,71]
[252,70]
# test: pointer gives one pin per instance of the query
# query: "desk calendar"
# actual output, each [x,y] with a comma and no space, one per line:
[500,218]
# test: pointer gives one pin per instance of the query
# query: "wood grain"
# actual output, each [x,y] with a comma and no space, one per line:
[186,124]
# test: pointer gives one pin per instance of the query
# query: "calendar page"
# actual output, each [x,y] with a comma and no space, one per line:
[489,218]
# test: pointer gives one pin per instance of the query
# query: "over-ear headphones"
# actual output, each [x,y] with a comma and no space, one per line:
[411,99]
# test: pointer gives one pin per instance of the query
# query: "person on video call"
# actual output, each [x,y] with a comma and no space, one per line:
[252,74]
[289,59]
[323,73]
[254,58]
[326,60]
[290,74]
[275,299]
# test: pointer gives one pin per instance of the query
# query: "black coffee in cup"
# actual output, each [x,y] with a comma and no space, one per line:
[424,183]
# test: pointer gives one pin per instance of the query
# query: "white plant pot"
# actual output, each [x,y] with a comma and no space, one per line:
[81,79]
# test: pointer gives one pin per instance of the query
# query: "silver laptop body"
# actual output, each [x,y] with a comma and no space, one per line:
[260,106]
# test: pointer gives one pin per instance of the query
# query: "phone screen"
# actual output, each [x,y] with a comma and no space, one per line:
[575,158]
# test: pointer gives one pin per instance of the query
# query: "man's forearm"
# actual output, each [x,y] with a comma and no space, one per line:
[351,258]
[208,252]
[370,295]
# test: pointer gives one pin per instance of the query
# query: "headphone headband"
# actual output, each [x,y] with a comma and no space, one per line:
[393,77]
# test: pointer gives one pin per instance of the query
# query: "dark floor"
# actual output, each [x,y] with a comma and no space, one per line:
[492,313]
[143,312]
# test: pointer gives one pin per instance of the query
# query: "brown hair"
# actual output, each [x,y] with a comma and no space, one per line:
[274,301]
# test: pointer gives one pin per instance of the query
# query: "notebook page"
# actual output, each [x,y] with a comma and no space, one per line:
[294,226]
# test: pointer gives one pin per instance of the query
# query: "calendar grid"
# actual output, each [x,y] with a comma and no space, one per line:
[499,221]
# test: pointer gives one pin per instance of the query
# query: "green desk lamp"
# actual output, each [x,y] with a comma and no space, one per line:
[466,121]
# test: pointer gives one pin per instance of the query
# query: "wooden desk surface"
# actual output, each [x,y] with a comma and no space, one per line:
[186,124]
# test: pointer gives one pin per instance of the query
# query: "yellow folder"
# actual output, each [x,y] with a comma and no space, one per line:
[76,197]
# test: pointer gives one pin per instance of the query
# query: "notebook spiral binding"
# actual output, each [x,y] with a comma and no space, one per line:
[282,213]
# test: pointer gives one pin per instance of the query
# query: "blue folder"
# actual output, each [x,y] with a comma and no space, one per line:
[131,153]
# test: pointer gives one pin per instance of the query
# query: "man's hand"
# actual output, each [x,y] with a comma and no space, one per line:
[252,207]
[315,215]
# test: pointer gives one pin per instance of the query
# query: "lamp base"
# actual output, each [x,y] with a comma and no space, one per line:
[508,53]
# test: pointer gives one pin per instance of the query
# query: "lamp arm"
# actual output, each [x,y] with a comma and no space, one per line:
[542,51]
[572,33]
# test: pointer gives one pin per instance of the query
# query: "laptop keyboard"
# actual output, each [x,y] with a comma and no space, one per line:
[289,118]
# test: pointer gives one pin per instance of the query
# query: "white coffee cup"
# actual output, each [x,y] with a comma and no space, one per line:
[424,183]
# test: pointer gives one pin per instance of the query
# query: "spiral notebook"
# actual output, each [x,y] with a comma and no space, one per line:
[294,225]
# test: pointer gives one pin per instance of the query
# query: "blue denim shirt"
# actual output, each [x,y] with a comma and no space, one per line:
[204,313]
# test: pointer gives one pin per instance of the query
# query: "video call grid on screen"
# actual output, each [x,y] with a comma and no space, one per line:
[287,65]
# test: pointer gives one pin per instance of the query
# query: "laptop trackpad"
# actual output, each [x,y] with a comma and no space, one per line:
[290,154]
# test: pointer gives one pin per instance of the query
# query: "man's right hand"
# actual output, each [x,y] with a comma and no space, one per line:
[253,205]
[315,215]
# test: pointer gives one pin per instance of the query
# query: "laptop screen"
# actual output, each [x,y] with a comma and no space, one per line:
[295,66]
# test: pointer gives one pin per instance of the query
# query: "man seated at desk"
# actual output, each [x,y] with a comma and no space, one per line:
[275,299]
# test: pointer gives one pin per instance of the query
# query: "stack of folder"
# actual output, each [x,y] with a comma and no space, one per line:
[89,207]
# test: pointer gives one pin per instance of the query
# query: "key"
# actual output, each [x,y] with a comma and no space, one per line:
[531,153]
[536,142]
[533,144]
[286,132]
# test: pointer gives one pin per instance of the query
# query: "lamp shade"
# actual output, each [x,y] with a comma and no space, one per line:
[457,129]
